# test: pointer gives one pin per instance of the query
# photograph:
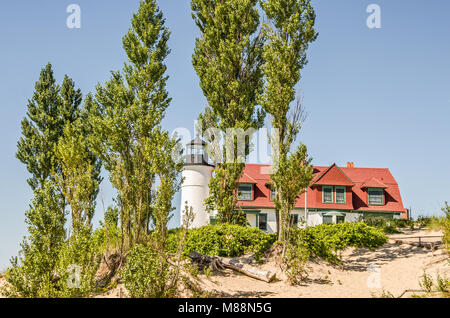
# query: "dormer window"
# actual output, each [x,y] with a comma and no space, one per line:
[333,194]
[376,196]
[340,195]
[272,194]
[327,194]
[245,192]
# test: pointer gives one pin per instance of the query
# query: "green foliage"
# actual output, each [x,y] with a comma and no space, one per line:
[289,32]
[147,274]
[443,284]
[108,235]
[403,223]
[426,282]
[384,294]
[423,221]
[127,118]
[295,262]
[167,171]
[432,288]
[33,273]
[228,59]
[49,110]
[384,224]
[78,263]
[80,177]
[112,216]
[223,240]
[327,239]
[293,174]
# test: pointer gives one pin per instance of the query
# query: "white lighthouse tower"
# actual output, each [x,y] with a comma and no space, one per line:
[195,189]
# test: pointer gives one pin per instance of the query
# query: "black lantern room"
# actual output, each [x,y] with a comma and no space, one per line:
[195,152]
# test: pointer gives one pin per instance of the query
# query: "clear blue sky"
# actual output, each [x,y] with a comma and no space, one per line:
[377,97]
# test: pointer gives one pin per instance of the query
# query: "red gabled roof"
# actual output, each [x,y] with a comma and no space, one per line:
[332,176]
[247,179]
[355,179]
[373,183]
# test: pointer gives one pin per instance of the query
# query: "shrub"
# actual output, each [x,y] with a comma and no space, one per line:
[327,239]
[386,225]
[423,221]
[295,261]
[225,240]
[32,274]
[79,259]
[147,274]
[403,224]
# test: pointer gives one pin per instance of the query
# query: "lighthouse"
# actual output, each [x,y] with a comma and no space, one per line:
[195,189]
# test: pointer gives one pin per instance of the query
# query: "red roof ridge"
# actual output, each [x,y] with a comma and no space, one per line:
[374,183]
[326,171]
[247,179]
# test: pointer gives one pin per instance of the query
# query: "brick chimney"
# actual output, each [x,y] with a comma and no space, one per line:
[350,164]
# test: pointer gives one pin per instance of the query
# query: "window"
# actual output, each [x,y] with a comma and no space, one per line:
[262,222]
[294,220]
[212,220]
[340,219]
[272,194]
[327,194]
[245,192]
[375,196]
[327,219]
[340,195]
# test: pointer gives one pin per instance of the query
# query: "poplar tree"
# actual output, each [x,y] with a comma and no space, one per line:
[228,59]
[33,273]
[49,110]
[130,108]
[80,179]
[290,30]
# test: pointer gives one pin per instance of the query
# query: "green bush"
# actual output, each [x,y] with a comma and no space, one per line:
[147,274]
[423,221]
[327,239]
[225,240]
[403,224]
[384,224]
[79,259]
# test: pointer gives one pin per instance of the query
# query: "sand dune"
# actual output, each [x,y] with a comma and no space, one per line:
[364,274]
[393,267]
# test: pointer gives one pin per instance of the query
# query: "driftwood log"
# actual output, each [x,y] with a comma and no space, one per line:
[220,263]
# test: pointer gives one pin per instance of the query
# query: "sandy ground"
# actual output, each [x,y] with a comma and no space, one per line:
[364,274]
[393,267]
[412,236]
